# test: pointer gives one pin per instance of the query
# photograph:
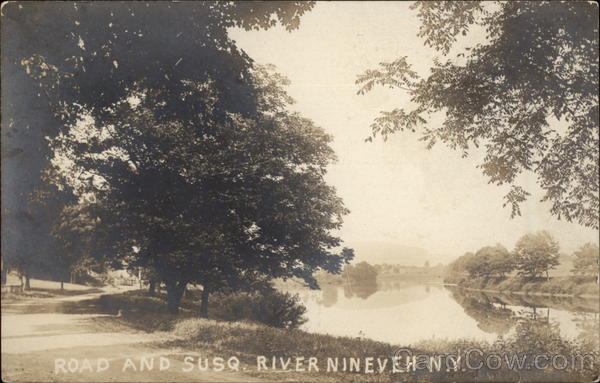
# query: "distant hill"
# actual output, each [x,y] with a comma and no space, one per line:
[379,252]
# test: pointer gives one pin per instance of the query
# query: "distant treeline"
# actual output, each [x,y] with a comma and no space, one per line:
[526,267]
[360,273]
[425,271]
[364,272]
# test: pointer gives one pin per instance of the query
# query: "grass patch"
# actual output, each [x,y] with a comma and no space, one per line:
[247,341]
[65,292]
[10,297]
[256,339]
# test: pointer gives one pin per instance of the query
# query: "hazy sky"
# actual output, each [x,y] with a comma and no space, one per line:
[398,191]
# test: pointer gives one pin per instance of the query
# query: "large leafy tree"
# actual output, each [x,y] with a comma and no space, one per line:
[28,246]
[536,254]
[491,261]
[216,199]
[459,265]
[587,261]
[56,55]
[528,95]
[79,243]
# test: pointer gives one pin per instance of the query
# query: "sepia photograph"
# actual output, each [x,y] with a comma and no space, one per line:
[300,191]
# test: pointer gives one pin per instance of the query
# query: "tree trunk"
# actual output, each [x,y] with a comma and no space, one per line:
[4,275]
[27,282]
[204,302]
[62,285]
[152,288]
[174,294]
[547,276]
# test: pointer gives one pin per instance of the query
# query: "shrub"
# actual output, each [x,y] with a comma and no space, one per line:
[129,302]
[140,311]
[209,330]
[273,308]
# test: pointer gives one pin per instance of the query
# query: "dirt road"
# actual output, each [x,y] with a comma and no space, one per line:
[58,339]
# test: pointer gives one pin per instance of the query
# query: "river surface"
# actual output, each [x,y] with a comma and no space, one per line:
[403,314]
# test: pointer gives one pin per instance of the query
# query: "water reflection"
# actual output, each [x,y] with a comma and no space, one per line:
[404,313]
[329,295]
[492,316]
[363,290]
[499,313]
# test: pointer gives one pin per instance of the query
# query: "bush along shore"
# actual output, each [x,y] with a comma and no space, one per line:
[575,286]
[288,353]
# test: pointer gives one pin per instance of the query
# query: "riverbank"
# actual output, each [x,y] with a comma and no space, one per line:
[292,354]
[557,286]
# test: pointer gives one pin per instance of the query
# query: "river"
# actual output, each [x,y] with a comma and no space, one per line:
[404,314]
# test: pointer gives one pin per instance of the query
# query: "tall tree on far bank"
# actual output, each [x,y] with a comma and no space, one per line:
[459,266]
[535,254]
[587,261]
[494,261]
[528,95]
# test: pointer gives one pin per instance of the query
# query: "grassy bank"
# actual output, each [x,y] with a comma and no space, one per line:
[247,341]
[566,286]
[11,297]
